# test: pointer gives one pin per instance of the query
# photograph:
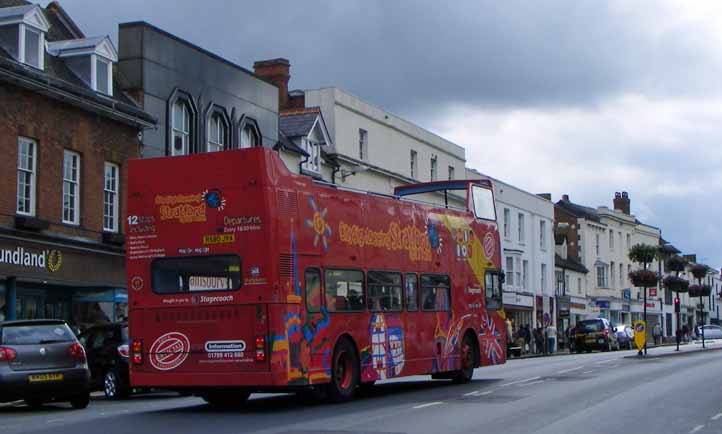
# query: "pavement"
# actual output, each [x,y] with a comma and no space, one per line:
[665,392]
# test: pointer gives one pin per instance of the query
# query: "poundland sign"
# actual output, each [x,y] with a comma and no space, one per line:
[50,259]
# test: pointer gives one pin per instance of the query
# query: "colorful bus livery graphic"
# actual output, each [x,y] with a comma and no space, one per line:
[327,288]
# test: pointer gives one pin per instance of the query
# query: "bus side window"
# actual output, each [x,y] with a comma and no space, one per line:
[384,291]
[492,288]
[344,290]
[435,292]
[313,289]
[412,293]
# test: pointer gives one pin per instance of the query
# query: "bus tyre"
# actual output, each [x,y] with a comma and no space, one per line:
[225,398]
[344,373]
[468,361]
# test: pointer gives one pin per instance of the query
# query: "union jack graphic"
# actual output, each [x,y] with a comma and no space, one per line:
[490,337]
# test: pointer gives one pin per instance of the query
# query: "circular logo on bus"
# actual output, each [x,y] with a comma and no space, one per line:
[136,283]
[169,351]
[489,245]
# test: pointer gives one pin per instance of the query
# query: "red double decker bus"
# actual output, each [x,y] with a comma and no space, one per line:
[244,277]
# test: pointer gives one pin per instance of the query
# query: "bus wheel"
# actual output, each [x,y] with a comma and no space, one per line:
[225,398]
[468,361]
[344,373]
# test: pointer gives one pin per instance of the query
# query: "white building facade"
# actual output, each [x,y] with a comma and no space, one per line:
[527,253]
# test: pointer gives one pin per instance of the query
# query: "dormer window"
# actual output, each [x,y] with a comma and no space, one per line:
[91,59]
[103,76]
[22,34]
[33,51]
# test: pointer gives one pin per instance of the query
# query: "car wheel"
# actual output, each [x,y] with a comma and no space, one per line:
[34,403]
[225,399]
[81,401]
[113,387]
[344,373]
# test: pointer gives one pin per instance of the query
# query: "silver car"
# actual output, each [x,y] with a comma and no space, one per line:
[711,332]
[42,361]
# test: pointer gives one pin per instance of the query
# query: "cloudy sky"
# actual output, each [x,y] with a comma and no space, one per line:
[577,97]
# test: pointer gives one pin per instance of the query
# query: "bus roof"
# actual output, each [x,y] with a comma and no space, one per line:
[429,187]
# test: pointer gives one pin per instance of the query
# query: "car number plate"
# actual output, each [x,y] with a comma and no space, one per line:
[41,378]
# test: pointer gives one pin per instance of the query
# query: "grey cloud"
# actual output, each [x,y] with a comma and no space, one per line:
[412,56]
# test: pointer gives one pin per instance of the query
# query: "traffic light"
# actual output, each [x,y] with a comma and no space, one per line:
[676,304]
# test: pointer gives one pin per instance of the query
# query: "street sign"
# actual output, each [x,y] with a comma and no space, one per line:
[547,319]
[640,334]
[652,292]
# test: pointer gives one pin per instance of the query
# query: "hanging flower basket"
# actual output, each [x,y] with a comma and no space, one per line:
[699,290]
[643,278]
[676,284]
[643,253]
[676,263]
[699,271]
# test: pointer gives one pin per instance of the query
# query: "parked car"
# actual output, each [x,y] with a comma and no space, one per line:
[597,333]
[42,361]
[107,350]
[625,336]
[711,332]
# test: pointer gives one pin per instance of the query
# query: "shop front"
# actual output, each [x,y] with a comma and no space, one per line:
[519,308]
[50,280]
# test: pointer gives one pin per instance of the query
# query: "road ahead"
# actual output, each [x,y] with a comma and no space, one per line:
[588,393]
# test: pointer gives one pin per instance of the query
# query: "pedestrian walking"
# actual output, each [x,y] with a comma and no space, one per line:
[657,332]
[539,339]
[551,338]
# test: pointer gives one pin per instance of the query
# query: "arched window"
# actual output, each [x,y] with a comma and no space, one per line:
[249,134]
[181,128]
[249,137]
[217,133]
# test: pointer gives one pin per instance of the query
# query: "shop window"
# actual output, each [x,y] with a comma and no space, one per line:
[344,290]
[412,293]
[384,291]
[313,289]
[435,292]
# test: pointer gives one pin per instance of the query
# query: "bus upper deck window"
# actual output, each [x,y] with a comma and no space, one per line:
[483,203]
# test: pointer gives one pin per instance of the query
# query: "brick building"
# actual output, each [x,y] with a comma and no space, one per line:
[66,131]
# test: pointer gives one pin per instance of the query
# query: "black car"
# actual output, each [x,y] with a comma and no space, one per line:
[107,349]
[41,361]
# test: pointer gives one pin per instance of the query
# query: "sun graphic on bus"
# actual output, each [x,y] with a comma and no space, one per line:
[319,225]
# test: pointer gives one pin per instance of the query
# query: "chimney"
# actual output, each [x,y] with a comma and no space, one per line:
[547,196]
[565,197]
[621,202]
[276,72]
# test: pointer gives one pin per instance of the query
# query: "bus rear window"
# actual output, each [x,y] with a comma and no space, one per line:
[196,274]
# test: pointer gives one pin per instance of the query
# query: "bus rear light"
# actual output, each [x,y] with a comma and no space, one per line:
[7,354]
[137,351]
[260,349]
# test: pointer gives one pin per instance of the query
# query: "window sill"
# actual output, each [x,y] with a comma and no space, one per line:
[311,173]
[30,222]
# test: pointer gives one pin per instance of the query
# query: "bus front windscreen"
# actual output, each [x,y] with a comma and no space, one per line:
[196,273]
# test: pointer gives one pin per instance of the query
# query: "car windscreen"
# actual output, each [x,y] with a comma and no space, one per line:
[589,326]
[196,274]
[36,334]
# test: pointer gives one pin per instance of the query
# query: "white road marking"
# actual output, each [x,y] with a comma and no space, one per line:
[587,372]
[716,416]
[520,381]
[564,371]
[529,384]
[486,393]
[695,429]
[604,361]
[54,420]
[476,392]
[428,404]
